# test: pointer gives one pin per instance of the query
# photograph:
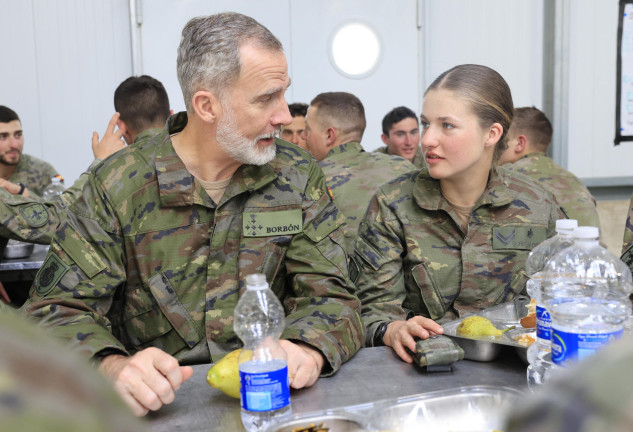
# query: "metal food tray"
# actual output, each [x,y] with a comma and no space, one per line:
[473,408]
[488,348]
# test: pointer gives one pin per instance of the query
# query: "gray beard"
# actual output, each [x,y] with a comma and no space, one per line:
[240,148]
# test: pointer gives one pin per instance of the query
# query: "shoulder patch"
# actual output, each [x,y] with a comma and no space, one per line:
[517,237]
[35,214]
[272,223]
[49,275]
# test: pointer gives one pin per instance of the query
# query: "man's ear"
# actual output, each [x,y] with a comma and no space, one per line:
[125,130]
[331,135]
[206,105]
[521,144]
[384,139]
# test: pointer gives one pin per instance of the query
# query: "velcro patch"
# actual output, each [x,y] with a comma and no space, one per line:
[49,275]
[266,224]
[35,214]
[517,237]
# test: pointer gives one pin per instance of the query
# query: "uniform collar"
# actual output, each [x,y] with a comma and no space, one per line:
[427,194]
[177,186]
[350,147]
[534,155]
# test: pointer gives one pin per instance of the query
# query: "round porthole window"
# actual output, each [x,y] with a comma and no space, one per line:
[355,49]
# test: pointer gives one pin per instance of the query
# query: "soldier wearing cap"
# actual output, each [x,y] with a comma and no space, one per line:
[146,273]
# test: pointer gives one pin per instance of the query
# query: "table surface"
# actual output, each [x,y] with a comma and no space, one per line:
[32,262]
[373,374]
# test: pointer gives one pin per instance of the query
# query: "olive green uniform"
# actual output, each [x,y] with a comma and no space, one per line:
[44,387]
[412,258]
[353,176]
[147,259]
[418,159]
[34,173]
[572,195]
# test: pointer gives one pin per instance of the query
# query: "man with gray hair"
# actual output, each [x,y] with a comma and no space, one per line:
[146,274]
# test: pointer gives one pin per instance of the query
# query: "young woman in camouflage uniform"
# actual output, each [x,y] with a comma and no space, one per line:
[453,237]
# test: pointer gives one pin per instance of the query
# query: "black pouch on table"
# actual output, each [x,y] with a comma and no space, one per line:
[437,354]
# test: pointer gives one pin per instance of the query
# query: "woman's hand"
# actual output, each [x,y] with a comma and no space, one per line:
[402,334]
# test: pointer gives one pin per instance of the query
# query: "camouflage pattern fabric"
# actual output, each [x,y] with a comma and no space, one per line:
[34,173]
[353,176]
[595,395]
[437,350]
[570,192]
[627,245]
[412,258]
[418,159]
[28,219]
[147,259]
[44,387]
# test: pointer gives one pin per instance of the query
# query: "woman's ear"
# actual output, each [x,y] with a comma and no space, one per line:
[494,134]
[206,105]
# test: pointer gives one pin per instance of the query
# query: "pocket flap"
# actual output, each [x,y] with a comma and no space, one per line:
[174,310]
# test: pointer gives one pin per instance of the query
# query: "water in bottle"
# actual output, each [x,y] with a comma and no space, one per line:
[259,320]
[54,189]
[586,292]
[539,352]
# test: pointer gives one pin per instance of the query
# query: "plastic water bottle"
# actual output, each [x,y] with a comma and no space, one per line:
[54,189]
[538,353]
[259,320]
[586,291]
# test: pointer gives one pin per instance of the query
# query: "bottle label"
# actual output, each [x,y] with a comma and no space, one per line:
[543,324]
[568,348]
[265,391]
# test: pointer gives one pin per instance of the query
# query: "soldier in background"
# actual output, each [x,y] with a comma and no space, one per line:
[334,128]
[147,271]
[24,170]
[529,137]
[401,135]
[453,238]
[294,131]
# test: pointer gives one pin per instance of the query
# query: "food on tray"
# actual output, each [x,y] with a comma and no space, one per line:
[529,321]
[312,428]
[475,326]
[525,339]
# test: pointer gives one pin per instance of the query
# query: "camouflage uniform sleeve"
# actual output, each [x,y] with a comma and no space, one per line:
[85,266]
[28,219]
[71,194]
[320,305]
[377,264]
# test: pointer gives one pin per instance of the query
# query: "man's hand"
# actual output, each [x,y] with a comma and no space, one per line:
[401,334]
[111,141]
[304,363]
[4,297]
[147,380]
[13,188]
